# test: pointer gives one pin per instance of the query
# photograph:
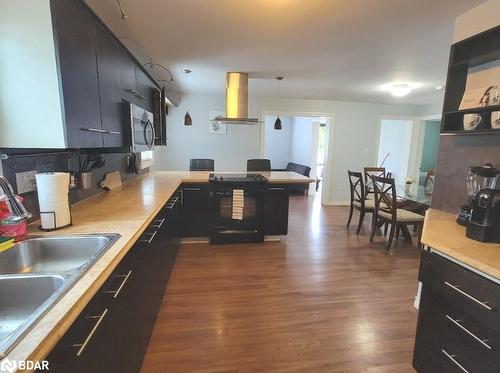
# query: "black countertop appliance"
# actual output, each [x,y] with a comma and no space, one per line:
[480,177]
[484,224]
[237,207]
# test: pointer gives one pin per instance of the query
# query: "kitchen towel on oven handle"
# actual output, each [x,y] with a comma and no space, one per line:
[238,204]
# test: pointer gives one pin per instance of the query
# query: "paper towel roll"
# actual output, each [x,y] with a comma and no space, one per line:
[53,189]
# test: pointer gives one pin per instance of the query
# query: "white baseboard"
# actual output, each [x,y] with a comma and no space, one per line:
[337,203]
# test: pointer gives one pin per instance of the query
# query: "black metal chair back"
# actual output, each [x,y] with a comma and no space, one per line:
[258,165]
[199,164]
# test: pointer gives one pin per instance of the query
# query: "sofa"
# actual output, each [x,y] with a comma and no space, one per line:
[302,170]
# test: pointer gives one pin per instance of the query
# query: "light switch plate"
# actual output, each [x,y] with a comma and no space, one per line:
[26,181]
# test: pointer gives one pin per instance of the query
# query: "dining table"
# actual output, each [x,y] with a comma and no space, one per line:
[416,193]
[413,197]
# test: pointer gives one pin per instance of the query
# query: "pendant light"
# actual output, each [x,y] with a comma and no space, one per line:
[187,118]
[277,123]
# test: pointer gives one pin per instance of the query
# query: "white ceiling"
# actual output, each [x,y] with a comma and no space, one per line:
[326,49]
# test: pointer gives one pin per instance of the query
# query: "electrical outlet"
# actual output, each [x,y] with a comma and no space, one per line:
[26,181]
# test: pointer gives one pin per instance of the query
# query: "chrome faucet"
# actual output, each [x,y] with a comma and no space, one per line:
[14,204]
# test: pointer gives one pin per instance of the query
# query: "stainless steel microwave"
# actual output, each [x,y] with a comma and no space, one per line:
[142,129]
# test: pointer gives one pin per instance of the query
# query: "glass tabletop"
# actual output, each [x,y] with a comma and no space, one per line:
[415,192]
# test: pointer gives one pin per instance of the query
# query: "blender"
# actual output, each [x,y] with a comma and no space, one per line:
[479,178]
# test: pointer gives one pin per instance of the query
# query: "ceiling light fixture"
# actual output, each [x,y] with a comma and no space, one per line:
[122,11]
[439,87]
[187,118]
[400,90]
[277,123]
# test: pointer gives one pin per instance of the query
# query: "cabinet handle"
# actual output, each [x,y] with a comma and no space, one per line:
[457,323]
[482,304]
[159,224]
[452,358]
[191,189]
[135,93]
[151,238]
[172,203]
[83,345]
[275,188]
[113,132]
[117,291]
[93,130]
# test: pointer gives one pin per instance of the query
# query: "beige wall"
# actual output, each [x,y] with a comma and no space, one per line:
[353,141]
[30,107]
[477,20]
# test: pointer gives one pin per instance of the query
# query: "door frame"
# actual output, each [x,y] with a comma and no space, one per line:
[325,197]
[420,132]
[412,151]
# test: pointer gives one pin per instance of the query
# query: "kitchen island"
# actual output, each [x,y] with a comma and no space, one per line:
[130,211]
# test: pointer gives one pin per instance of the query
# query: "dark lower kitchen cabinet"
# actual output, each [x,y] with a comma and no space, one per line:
[196,210]
[113,331]
[74,29]
[458,328]
[276,210]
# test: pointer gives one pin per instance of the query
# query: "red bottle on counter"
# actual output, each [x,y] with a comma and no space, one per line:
[10,226]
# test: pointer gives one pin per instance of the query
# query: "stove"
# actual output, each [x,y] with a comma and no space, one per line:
[237,178]
[237,206]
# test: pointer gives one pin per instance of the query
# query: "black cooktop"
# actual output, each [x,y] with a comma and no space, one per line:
[238,178]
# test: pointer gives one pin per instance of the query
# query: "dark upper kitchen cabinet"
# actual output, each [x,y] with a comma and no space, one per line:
[145,88]
[75,40]
[83,74]
[98,77]
[127,79]
[111,59]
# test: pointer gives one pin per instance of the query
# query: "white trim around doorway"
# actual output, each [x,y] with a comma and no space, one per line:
[325,200]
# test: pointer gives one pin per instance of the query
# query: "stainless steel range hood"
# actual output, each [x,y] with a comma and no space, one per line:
[236,100]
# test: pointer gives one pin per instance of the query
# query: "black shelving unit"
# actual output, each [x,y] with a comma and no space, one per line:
[466,54]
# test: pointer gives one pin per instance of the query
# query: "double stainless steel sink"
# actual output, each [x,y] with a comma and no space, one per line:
[35,273]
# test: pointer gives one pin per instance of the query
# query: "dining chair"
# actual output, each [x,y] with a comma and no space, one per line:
[386,211]
[358,200]
[258,165]
[198,164]
[368,172]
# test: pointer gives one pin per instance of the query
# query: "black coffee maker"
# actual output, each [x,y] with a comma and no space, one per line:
[484,224]
[479,178]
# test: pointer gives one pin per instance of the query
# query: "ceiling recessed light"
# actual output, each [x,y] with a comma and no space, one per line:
[400,90]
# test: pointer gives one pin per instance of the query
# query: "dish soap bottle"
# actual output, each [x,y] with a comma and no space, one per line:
[10,225]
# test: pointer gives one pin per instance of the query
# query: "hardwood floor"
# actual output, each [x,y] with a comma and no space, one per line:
[321,300]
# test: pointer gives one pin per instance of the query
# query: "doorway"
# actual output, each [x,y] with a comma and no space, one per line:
[303,139]
[395,147]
